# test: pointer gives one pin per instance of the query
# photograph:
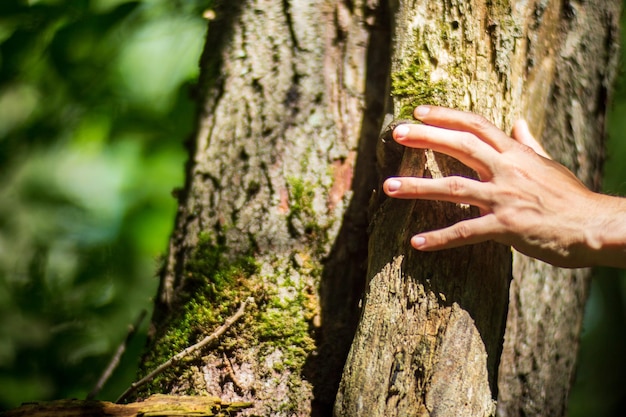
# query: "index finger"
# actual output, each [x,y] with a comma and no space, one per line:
[466,122]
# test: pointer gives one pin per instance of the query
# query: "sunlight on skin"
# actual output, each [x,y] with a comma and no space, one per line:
[526,200]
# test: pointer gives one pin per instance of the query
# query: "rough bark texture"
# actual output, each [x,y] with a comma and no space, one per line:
[292,97]
[430,336]
[551,62]
[571,64]
[264,213]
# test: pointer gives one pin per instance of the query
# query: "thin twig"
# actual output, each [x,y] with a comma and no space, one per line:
[115,360]
[186,352]
[231,373]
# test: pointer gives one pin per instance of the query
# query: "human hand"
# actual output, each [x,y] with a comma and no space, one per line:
[525,199]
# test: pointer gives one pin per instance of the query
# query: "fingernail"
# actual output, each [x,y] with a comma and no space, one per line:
[393,185]
[418,241]
[421,111]
[401,131]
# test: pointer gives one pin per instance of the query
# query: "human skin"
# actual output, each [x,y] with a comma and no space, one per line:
[526,200]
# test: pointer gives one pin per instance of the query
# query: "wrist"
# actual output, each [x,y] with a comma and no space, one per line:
[605,239]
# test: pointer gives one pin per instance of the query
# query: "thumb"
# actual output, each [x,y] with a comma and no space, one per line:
[521,133]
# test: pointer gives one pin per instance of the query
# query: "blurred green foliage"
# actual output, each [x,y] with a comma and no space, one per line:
[94,108]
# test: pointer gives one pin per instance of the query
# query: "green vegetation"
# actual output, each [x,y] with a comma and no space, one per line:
[94,109]
[283,324]
[302,219]
[209,270]
[214,289]
[278,320]
[413,86]
[301,194]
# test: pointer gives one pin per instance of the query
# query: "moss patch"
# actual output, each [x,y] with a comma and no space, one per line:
[279,322]
[215,288]
[413,86]
[284,325]
[302,219]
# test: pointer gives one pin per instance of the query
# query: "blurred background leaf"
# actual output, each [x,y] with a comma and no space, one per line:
[94,110]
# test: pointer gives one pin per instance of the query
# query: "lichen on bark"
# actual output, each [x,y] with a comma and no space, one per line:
[215,288]
[282,170]
[413,86]
[268,182]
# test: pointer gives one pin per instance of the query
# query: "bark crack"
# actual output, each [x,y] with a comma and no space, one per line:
[290,26]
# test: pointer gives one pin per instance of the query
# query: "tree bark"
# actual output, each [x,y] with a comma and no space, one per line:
[431,333]
[570,78]
[516,58]
[275,205]
[292,97]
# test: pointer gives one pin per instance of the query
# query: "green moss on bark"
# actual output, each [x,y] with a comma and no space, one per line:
[279,322]
[303,219]
[215,288]
[413,86]
[286,321]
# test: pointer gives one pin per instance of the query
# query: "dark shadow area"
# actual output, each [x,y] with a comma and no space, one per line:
[64,407]
[343,278]
[599,389]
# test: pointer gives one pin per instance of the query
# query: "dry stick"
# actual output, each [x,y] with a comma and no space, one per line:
[115,360]
[186,352]
[231,372]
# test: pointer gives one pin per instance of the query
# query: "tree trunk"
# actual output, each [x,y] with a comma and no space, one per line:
[569,83]
[430,336]
[275,209]
[275,206]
